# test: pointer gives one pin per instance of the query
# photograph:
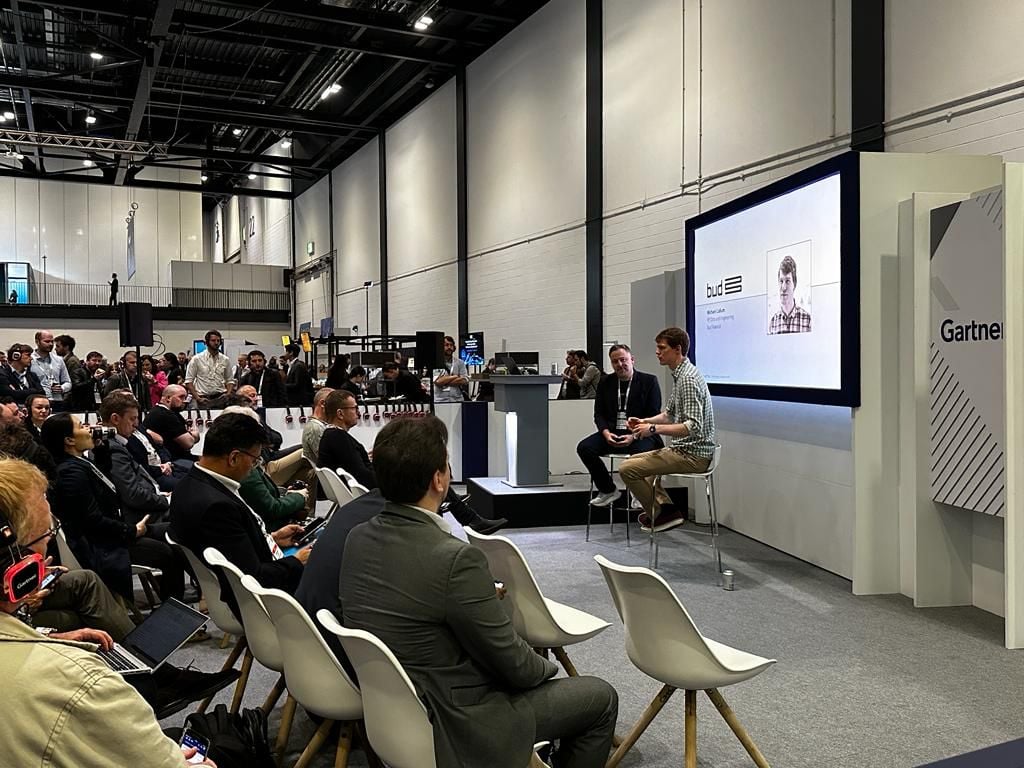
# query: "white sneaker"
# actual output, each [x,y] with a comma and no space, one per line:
[604,499]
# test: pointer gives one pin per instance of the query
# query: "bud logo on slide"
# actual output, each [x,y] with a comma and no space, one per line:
[729,285]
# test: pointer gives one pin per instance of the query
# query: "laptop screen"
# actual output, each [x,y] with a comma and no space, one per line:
[163,631]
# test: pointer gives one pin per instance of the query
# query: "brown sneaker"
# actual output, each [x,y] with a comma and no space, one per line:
[668,518]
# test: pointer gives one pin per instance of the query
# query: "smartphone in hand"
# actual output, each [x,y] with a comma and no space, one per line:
[199,743]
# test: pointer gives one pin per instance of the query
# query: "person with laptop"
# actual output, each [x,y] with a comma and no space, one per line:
[403,383]
[69,709]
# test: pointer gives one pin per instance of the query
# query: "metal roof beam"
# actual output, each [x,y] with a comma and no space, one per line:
[26,96]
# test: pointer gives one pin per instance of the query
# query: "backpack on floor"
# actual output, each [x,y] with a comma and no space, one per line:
[236,741]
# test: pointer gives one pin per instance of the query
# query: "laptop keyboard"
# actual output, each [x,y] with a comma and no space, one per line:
[118,661]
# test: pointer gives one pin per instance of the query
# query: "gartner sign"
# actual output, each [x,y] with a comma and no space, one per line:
[966,354]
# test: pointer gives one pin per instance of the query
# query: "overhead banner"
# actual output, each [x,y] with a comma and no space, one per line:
[966,364]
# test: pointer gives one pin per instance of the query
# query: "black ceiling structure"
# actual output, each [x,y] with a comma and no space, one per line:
[223,83]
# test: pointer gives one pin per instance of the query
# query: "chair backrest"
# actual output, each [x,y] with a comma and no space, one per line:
[661,638]
[355,487]
[67,557]
[530,614]
[334,488]
[220,612]
[715,459]
[259,629]
[312,673]
[388,698]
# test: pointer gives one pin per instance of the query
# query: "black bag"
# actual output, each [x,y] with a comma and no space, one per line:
[236,741]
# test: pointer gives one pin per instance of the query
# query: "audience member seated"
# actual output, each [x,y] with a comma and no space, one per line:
[16,440]
[208,511]
[286,466]
[37,409]
[403,384]
[356,382]
[17,381]
[268,384]
[339,450]
[157,378]
[338,374]
[87,504]
[132,379]
[165,420]
[148,450]
[485,393]
[431,599]
[313,431]
[139,494]
[169,365]
[628,393]
[81,712]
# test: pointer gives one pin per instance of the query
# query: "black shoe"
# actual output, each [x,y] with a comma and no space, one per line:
[487,526]
[180,687]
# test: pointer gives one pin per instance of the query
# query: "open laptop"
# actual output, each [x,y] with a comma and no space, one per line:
[149,645]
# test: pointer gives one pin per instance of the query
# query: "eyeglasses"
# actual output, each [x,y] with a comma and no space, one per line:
[349,408]
[256,458]
[50,533]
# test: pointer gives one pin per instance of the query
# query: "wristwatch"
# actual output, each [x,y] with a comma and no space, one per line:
[654,429]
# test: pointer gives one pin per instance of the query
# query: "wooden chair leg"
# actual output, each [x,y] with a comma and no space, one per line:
[737,728]
[225,641]
[229,662]
[344,745]
[285,729]
[563,659]
[314,744]
[236,700]
[690,754]
[648,715]
[273,696]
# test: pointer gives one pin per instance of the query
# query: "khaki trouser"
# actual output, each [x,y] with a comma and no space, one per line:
[642,475]
[290,468]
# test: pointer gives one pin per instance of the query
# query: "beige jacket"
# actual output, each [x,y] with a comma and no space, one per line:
[64,707]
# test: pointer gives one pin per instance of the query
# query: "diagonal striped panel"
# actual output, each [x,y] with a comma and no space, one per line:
[968,464]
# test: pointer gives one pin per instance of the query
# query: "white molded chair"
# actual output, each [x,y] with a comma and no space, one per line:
[259,630]
[67,557]
[355,487]
[225,620]
[663,642]
[334,489]
[543,623]
[708,477]
[315,678]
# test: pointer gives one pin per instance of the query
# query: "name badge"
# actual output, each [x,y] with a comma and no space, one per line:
[154,459]
[620,420]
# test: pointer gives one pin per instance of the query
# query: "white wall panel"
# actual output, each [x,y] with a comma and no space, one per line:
[8,221]
[147,239]
[312,221]
[190,223]
[101,261]
[525,129]
[426,301]
[531,295]
[27,214]
[76,233]
[357,238]
[643,100]
[168,234]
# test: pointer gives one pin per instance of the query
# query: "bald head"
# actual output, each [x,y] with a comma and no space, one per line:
[248,392]
[173,397]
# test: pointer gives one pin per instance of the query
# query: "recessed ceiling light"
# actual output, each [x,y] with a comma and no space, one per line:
[286,143]
[252,176]
[90,119]
[87,163]
[8,115]
[335,87]
[96,56]
[204,177]
[423,23]
[237,131]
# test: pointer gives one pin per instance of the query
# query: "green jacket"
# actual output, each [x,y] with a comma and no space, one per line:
[267,501]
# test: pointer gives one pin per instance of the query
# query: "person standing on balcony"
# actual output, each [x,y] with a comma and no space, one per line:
[13,298]
[113,289]
[49,367]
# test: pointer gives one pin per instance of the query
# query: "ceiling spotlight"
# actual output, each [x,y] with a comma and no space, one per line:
[87,163]
[286,143]
[8,115]
[252,176]
[423,23]
[330,90]
[90,119]
[237,131]
[335,87]
[96,56]
[204,177]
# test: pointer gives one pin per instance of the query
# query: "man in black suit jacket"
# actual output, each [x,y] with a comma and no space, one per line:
[16,378]
[430,598]
[627,393]
[206,510]
[298,384]
[268,384]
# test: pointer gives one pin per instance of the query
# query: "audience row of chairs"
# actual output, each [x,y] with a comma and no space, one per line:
[661,640]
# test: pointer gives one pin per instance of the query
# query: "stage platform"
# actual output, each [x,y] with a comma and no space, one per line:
[562,504]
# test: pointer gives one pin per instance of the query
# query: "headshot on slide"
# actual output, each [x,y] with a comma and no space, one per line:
[789,310]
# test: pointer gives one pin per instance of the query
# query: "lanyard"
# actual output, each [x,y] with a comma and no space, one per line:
[623,401]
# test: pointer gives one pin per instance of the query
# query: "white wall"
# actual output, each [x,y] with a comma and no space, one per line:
[357,239]
[266,222]
[421,201]
[312,222]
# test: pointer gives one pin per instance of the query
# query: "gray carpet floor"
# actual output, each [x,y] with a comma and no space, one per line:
[860,681]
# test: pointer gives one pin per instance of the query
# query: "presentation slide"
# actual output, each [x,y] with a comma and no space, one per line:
[767,285]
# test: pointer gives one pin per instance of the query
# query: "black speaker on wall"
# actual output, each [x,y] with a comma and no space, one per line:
[136,324]
[287,277]
[429,349]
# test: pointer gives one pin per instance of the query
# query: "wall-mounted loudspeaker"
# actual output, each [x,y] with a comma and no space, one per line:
[287,278]
[429,350]
[136,324]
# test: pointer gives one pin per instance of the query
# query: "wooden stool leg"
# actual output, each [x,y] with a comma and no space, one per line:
[648,715]
[284,731]
[691,729]
[236,700]
[315,744]
[737,728]
[563,659]
[225,641]
[273,696]
[344,745]
[229,662]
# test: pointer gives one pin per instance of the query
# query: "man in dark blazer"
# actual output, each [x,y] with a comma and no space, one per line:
[206,510]
[16,378]
[298,384]
[431,599]
[268,384]
[627,393]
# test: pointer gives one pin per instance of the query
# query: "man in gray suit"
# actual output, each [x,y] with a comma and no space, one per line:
[431,599]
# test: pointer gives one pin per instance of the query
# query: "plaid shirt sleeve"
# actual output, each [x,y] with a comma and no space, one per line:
[691,408]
